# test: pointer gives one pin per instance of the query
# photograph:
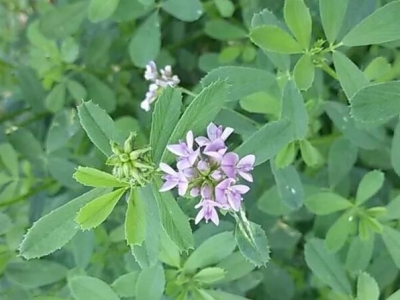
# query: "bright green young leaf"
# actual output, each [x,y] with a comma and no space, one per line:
[380,27]
[278,134]
[55,229]
[56,98]
[98,126]
[286,156]
[148,34]
[325,203]
[210,275]
[174,221]
[96,212]
[293,109]
[242,81]
[226,8]
[69,50]
[150,283]
[391,238]
[326,266]
[311,156]
[201,111]
[253,243]
[298,19]
[369,186]
[100,93]
[332,16]
[351,78]
[262,103]
[364,231]
[100,10]
[165,117]
[184,10]
[96,178]
[125,285]
[9,157]
[135,220]
[304,72]
[229,54]
[359,254]
[85,288]
[274,39]
[224,30]
[377,68]
[376,103]
[341,159]
[367,288]
[63,21]
[338,233]
[210,252]
[36,273]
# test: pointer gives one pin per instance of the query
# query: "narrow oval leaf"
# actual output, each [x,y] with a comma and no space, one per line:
[367,287]
[224,30]
[184,10]
[125,285]
[85,288]
[100,93]
[395,150]
[311,156]
[298,19]
[210,275]
[97,211]
[359,254]
[391,238]
[96,178]
[56,98]
[325,203]
[304,72]
[369,186]
[338,233]
[150,283]
[100,10]
[332,16]
[135,220]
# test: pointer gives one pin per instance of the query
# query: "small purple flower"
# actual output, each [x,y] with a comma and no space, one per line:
[173,179]
[187,156]
[207,211]
[230,195]
[151,96]
[151,72]
[214,132]
[231,165]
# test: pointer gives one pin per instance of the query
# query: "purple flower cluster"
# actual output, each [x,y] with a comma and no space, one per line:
[159,80]
[209,171]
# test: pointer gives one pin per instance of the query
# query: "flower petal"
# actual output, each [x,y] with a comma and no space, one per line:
[226,133]
[212,131]
[167,169]
[241,188]
[200,216]
[182,188]
[214,217]
[168,185]
[246,176]
[177,149]
[189,139]
[247,161]
[202,141]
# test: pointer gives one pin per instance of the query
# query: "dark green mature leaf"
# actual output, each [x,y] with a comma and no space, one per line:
[135,220]
[165,117]
[55,229]
[129,10]
[379,27]
[184,10]
[32,90]
[298,19]
[100,93]
[125,285]
[395,150]
[210,275]
[325,203]
[359,254]
[98,125]
[243,81]
[340,230]
[367,288]
[223,30]
[63,21]
[267,141]
[96,178]
[376,103]
[304,72]
[147,34]
[332,15]
[203,109]
[326,266]
[9,157]
[391,238]
[150,283]
[236,266]
[56,98]
[274,39]
[369,186]
[100,10]
[62,170]
[85,288]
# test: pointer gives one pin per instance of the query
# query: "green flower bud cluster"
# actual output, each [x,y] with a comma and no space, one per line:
[129,164]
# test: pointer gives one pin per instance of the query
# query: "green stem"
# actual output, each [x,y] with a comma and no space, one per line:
[187,92]
[14,114]
[324,66]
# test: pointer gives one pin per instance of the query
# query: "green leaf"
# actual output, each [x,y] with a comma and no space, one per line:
[242,81]
[351,78]
[359,254]
[278,134]
[97,211]
[55,229]
[271,203]
[225,7]
[274,39]
[286,156]
[341,159]
[98,126]
[125,285]
[150,283]
[293,109]
[394,296]
[223,30]
[325,203]
[174,221]
[5,223]
[36,273]
[169,252]
[165,117]
[393,209]
[62,170]
[395,150]
[148,34]
[201,111]
[338,233]
[96,178]
[311,156]
[377,68]
[100,10]
[100,93]
[236,266]
[367,288]
[210,252]
[135,220]
[184,10]
[332,16]
[82,245]
[85,288]
[298,19]
[304,72]
[221,295]
[326,266]
[391,238]
[31,88]
[69,50]
[376,103]
[210,275]
[9,157]
[369,186]
[252,243]
[76,89]
[129,10]
[63,21]
[380,27]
